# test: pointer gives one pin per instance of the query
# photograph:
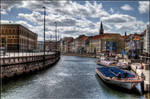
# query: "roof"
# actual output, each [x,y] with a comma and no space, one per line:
[136,37]
[125,37]
[68,39]
[84,38]
[9,24]
[15,24]
[104,35]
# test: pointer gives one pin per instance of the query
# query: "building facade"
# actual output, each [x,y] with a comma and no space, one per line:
[148,39]
[15,37]
[65,44]
[106,42]
[50,46]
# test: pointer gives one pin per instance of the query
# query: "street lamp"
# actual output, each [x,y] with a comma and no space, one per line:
[44,28]
[56,34]
[44,34]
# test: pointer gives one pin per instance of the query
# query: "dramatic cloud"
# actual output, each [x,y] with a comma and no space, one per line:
[34,17]
[73,18]
[4,21]
[131,27]
[126,7]
[118,18]
[24,23]
[144,7]
[6,4]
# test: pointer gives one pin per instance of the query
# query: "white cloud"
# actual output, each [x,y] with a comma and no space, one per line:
[126,7]
[24,23]
[131,27]
[73,18]
[111,10]
[144,6]
[4,21]
[34,17]
[118,18]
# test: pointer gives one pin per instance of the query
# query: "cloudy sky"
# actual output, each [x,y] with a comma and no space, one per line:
[77,17]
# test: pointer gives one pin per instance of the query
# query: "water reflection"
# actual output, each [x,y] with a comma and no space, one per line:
[71,77]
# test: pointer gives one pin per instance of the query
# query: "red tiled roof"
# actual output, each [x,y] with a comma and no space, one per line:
[84,38]
[125,37]
[137,37]
[104,35]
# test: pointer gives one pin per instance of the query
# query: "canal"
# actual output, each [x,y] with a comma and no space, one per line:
[71,77]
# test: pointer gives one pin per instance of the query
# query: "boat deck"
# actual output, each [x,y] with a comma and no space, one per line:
[113,72]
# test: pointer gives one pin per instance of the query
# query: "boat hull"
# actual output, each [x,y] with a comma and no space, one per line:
[125,85]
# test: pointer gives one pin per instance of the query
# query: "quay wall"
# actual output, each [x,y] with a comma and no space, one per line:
[12,66]
[145,71]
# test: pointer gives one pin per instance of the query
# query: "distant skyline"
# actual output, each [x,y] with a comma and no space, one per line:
[76,18]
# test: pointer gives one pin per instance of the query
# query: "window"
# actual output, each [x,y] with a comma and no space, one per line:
[14,32]
[10,31]
[2,31]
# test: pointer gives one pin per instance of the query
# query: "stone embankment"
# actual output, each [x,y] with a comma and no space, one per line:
[136,67]
[12,66]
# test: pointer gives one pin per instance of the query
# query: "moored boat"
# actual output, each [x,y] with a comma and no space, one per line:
[119,77]
[110,63]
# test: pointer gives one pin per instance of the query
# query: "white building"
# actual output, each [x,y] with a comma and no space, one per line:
[148,39]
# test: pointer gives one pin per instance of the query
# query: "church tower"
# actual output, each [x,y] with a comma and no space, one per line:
[101,30]
[125,34]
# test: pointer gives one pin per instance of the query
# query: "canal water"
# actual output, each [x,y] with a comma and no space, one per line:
[72,77]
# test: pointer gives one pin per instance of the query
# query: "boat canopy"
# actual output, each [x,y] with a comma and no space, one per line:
[113,72]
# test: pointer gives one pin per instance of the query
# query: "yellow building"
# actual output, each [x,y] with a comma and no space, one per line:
[98,43]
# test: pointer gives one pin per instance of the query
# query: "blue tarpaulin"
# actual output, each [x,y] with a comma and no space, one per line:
[113,72]
[112,46]
[123,52]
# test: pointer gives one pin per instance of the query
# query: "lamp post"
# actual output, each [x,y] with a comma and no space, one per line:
[44,34]
[56,34]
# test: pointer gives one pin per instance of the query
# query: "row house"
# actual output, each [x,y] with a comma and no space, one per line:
[94,44]
[137,44]
[134,44]
[80,44]
[145,40]
[148,39]
[72,45]
[106,42]
[65,44]
[49,46]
